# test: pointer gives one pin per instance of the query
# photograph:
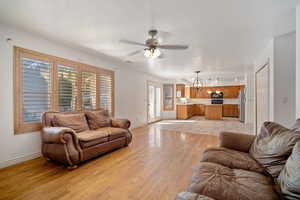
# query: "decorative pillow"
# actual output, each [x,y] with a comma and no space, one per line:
[98,118]
[77,121]
[289,177]
[296,126]
[272,147]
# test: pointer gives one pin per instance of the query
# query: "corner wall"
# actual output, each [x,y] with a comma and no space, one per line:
[298,63]
[285,79]
[130,90]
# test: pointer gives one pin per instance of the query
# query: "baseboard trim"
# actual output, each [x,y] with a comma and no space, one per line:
[19,159]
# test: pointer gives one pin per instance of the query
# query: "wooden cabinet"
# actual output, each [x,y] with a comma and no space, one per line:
[229,92]
[230,110]
[213,112]
[184,112]
[180,90]
[187,92]
[198,109]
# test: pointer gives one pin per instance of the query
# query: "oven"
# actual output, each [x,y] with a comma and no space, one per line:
[217,98]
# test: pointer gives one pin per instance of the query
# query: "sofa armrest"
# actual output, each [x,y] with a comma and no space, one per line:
[236,141]
[191,196]
[56,134]
[121,123]
[61,144]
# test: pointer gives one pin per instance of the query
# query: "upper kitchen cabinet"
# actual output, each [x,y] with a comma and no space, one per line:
[168,97]
[187,92]
[180,90]
[229,92]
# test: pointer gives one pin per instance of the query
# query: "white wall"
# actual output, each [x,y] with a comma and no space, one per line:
[131,95]
[285,79]
[280,52]
[298,63]
[130,90]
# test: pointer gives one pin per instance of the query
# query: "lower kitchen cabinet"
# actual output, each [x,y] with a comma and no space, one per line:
[230,110]
[199,109]
[187,111]
[184,111]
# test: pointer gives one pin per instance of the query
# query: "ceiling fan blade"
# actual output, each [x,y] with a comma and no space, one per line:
[173,47]
[135,52]
[132,42]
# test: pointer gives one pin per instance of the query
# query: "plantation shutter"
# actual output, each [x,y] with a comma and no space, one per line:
[88,90]
[36,89]
[105,92]
[67,88]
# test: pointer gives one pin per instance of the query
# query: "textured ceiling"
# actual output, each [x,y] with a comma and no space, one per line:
[224,36]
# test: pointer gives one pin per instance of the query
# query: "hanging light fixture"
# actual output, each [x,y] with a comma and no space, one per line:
[152,53]
[198,83]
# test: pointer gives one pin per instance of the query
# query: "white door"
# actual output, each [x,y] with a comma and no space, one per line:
[262,96]
[154,102]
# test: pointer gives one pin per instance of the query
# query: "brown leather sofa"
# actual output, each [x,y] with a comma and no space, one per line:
[245,167]
[70,138]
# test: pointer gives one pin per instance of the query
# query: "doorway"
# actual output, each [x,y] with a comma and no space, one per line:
[154,102]
[262,94]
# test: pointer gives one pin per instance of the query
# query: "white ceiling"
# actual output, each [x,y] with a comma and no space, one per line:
[224,36]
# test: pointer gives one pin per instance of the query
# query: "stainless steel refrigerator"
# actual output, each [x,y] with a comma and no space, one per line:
[242,105]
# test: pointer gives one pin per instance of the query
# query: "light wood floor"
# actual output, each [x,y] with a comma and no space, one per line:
[157,165]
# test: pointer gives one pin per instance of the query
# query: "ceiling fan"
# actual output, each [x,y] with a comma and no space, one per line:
[152,45]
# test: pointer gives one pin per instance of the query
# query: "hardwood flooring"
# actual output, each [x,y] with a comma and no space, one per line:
[156,166]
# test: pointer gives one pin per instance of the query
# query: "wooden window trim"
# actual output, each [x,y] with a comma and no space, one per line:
[19,126]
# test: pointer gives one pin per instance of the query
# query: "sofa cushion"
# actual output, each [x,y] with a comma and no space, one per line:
[232,159]
[92,137]
[223,183]
[273,146]
[98,118]
[289,177]
[76,121]
[116,133]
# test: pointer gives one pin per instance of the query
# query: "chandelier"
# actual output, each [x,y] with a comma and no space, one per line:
[198,83]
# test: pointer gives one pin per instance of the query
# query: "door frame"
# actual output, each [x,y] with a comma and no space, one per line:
[267,65]
[156,85]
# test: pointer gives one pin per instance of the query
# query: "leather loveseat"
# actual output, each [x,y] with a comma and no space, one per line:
[72,137]
[245,167]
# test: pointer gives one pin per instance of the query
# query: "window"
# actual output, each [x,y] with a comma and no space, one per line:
[36,89]
[106,92]
[67,88]
[168,97]
[88,90]
[47,83]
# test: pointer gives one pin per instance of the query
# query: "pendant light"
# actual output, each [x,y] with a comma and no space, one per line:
[198,83]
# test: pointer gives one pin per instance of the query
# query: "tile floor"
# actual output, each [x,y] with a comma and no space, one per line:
[198,125]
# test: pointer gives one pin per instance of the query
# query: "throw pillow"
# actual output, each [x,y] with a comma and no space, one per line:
[77,121]
[296,126]
[272,147]
[289,177]
[98,118]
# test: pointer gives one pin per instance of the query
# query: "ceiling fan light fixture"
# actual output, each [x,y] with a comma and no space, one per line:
[152,53]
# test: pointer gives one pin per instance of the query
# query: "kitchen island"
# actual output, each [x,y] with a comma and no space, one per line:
[214,112]
[186,111]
